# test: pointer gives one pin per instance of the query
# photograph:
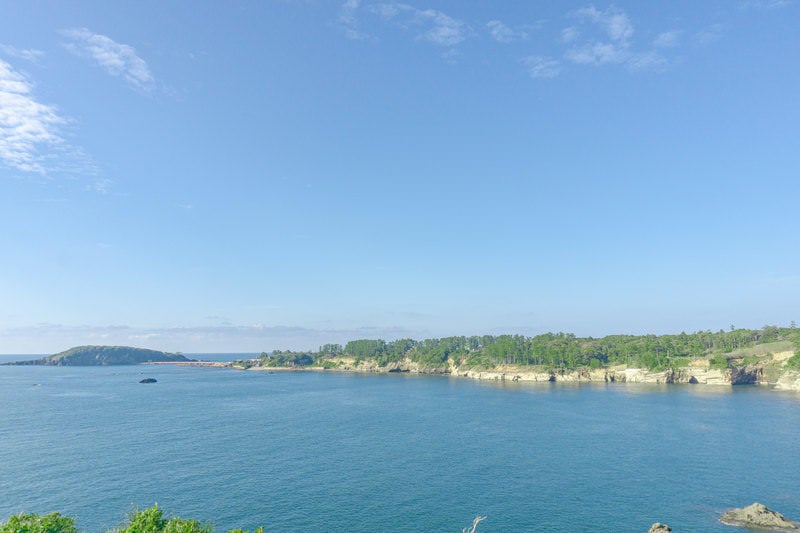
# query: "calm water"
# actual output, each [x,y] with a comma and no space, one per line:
[335,452]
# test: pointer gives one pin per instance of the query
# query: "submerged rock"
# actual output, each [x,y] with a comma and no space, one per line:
[757,516]
[658,527]
[149,380]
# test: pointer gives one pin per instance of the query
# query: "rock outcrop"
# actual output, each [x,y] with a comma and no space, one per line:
[790,380]
[746,375]
[659,528]
[690,375]
[372,367]
[758,516]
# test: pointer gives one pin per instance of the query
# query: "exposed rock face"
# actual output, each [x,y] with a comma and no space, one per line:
[693,375]
[757,516]
[746,375]
[394,367]
[790,380]
[659,528]
[697,372]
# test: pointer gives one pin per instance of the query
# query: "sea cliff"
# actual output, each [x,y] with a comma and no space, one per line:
[769,371]
[789,380]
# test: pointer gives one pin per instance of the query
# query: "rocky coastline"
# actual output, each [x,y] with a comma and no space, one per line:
[698,373]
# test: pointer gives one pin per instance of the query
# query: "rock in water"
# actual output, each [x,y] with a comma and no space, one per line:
[659,528]
[149,380]
[757,516]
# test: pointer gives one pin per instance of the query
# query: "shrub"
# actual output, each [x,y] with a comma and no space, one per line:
[180,525]
[794,361]
[33,523]
[150,520]
[718,361]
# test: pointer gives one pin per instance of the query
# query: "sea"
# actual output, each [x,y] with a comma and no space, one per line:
[336,452]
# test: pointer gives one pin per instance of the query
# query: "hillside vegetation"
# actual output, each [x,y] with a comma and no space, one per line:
[105,355]
[554,351]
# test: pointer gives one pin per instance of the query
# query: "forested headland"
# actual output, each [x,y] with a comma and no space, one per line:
[554,351]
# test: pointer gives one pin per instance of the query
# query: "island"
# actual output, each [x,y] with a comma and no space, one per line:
[106,355]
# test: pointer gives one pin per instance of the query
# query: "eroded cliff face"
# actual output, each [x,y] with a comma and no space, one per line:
[789,380]
[694,375]
[371,367]
[699,372]
[699,375]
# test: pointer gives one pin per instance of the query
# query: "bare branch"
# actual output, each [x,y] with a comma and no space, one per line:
[478,520]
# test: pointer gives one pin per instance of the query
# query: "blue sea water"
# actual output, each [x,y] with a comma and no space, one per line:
[301,452]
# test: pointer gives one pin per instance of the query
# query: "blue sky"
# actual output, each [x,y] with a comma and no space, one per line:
[245,176]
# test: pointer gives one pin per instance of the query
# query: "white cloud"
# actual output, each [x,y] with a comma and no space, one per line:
[29,130]
[606,38]
[668,39]
[542,67]
[613,47]
[28,54]
[443,30]
[614,21]
[117,59]
[348,21]
[710,34]
[647,61]
[101,185]
[568,35]
[598,54]
[436,27]
[503,34]
[385,11]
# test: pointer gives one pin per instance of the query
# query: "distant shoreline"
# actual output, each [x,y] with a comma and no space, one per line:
[788,380]
[218,364]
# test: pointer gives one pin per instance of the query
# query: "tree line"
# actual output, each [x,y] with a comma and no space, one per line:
[551,351]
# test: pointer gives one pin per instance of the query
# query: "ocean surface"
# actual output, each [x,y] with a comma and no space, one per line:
[302,452]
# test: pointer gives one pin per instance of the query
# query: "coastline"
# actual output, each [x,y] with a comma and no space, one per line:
[762,373]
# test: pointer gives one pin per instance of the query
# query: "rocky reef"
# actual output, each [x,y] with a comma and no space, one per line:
[659,528]
[758,516]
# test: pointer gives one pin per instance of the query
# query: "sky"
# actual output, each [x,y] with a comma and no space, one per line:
[250,176]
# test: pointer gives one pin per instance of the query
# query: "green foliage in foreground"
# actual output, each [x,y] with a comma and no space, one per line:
[150,520]
[555,351]
[33,523]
